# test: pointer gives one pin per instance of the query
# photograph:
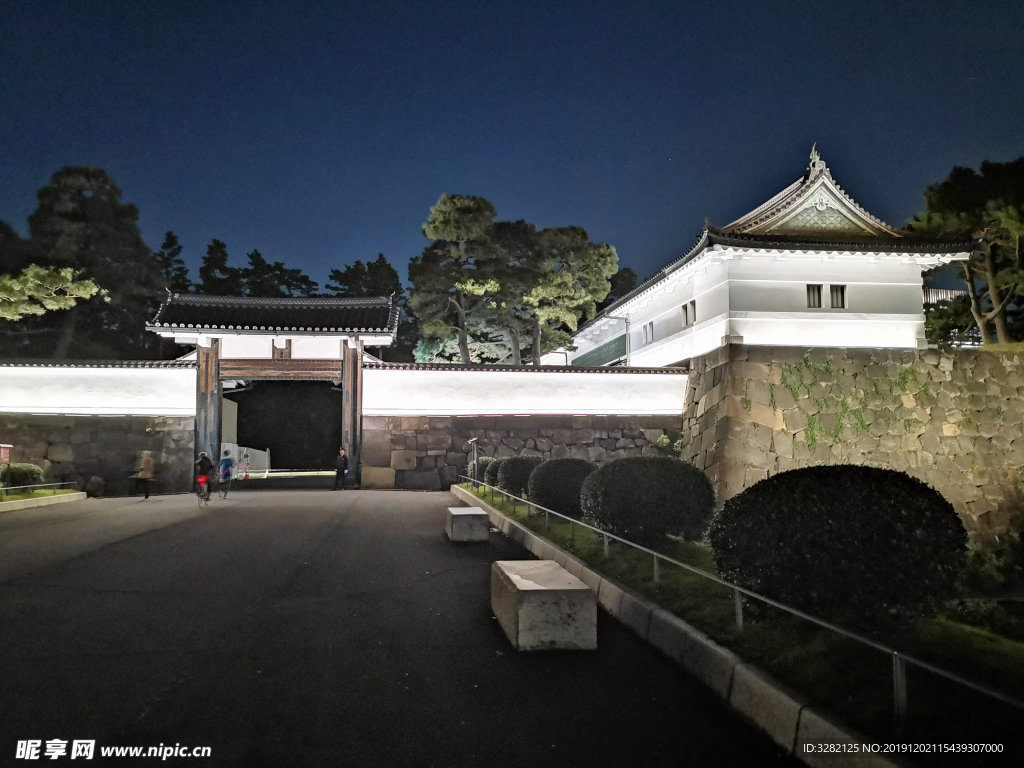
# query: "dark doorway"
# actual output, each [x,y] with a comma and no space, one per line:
[300,421]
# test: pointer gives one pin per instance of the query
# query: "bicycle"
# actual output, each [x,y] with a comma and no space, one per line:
[203,493]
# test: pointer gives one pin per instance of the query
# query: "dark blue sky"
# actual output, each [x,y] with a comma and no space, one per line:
[322,133]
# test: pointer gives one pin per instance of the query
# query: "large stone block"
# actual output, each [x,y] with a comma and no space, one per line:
[418,480]
[377,477]
[377,448]
[433,440]
[60,452]
[541,606]
[467,524]
[403,460]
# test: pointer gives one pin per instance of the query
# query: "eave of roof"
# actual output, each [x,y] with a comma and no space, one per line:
[185,364]
[383,366]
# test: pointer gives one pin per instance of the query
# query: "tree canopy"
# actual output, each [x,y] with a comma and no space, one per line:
[481,281]
[379,278]
[990,205]
[263,279]
[36,291]
[82,225]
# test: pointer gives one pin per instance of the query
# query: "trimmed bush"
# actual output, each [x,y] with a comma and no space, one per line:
[63,472]
[854,544]
[514,473]
[20,474]
[556,484]
[471,468]
[491,471]
[642,499]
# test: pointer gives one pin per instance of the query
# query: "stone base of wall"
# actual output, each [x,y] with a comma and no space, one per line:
[104,446]
[952,418]
[430,452]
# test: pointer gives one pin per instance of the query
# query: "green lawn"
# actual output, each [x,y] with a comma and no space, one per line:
[41,492]
[845,677]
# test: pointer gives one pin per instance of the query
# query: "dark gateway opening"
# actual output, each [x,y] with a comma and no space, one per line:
[300,421]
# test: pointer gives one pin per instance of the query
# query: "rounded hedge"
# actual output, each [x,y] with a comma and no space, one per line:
[471,468]
[491,471]
[556,484]
[643,499]
[514,473]
[851,543]
[20,474]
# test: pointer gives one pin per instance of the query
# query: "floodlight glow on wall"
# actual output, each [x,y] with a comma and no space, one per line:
[478,393]
[98,391]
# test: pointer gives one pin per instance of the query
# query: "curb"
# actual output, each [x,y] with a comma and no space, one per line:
[42,501]
[783,715]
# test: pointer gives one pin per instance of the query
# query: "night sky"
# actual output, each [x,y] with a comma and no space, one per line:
[322,133]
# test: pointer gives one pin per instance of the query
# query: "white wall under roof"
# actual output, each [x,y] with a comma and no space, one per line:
[98,391]
[457,393]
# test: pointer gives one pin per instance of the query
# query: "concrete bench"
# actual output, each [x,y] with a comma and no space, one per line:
[541,606]
[467,524]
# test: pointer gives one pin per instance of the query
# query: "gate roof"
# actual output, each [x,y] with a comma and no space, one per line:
[188,312]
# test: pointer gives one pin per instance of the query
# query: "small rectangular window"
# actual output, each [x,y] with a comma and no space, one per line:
[838,296]
[814,296]
[686,315]
[693,312]
[648,332]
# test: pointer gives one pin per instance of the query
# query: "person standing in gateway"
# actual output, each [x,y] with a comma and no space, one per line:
[341,469]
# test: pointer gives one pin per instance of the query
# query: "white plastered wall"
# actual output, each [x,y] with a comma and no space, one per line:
[762,297]
[98,391]
[246,347]
[455,393]
[317,348]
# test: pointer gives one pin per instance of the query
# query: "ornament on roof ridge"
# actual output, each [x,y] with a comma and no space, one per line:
[815,157]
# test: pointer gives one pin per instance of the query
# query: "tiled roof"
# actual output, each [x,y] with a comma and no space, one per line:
[771,214]
[97,364]
[382,366]
[955,243]
[248,315]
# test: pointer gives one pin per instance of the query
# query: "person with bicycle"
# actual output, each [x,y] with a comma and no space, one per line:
[204,468]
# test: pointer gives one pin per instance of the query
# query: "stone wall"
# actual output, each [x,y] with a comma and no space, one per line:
[429,452]
[105,447]
[951,418]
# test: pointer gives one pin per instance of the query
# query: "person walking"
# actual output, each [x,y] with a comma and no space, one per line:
[147,467]
[226,465]
[341,469]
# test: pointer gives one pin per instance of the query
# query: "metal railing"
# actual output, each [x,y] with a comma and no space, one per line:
[6,489]
[899,660]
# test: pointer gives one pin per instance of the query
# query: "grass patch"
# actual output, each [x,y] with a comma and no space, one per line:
[843,676]
[36,494]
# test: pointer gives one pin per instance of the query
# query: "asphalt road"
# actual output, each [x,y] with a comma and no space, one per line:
[316,628]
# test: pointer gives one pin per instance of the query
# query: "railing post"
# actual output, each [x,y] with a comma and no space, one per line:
[737,599]
[572,532]
[606,545]
[899,686]
[547,519]
[657,570]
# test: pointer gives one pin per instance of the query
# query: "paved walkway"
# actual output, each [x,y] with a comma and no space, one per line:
[316,628]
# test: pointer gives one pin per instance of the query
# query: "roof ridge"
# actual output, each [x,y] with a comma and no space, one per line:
[292,301]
